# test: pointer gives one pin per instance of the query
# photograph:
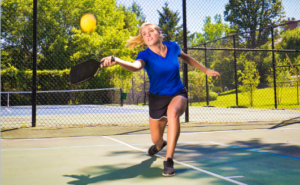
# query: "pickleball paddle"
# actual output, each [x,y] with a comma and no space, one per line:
[84,71]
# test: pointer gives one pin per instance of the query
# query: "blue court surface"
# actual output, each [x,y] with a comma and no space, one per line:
[66,110]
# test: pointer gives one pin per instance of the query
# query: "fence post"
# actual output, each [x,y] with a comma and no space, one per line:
[206,81]
[185,67]
[121,97]
[297,93]
[8,98]
[274,67]
[144,88]
[235,74]
[34,50]
[251,98]
[132,92]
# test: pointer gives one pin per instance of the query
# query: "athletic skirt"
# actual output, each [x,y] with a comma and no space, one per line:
[158,104]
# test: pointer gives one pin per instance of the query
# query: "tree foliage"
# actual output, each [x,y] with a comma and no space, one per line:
[249,78]
[168,22]
[249,15]
[137,10]
[220,61]
[283,75]
[290,40]
[212,31]
[61,43]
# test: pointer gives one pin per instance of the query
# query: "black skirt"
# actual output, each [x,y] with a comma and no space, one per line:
[158,104]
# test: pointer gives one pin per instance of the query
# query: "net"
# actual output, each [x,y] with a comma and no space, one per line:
[87,98]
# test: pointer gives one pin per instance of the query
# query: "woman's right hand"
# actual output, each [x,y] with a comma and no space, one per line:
[108,61]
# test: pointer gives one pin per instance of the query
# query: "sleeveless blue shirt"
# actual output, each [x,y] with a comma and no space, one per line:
[163,73]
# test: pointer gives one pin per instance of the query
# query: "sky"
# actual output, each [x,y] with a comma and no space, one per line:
[197,10]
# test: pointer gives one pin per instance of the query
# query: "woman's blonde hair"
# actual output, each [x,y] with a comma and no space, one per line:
[138,40]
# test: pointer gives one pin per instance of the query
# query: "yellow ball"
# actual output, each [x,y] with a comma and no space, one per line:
[88,23]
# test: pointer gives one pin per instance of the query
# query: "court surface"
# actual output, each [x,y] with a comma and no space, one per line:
[66,110]
[259,156]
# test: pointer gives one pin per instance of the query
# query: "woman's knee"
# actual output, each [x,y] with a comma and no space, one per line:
[173,112]
[177,107]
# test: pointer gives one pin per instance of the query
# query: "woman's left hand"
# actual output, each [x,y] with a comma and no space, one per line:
[211,72]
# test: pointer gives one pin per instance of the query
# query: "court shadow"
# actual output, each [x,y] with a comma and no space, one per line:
[111,173]
[277,149]
[254,160]
[287,122]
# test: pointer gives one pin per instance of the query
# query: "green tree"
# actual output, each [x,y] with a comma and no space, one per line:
[249,77]
[283,76]
[131,14]
[212,31]
[138,11]
[197,85]
[221,61]
[61,43]
[290,40]
[168,22]
[254,14]
[16,33]
[60,39]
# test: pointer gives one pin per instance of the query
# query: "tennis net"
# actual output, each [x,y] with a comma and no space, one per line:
[63,98]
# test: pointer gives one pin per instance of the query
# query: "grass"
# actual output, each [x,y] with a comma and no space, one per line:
[263,98]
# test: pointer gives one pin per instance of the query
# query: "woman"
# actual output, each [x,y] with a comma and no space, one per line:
[168,96]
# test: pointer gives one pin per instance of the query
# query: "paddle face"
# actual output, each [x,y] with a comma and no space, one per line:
[84,71]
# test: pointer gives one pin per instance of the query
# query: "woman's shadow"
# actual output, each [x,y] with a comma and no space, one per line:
[111,173]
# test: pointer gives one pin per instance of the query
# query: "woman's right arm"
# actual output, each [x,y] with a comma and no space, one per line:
[135,66]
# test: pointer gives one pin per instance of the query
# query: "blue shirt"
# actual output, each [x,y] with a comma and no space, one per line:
[163,73]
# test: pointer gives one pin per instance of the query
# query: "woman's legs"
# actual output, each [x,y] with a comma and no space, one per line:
[175,109]
[157,128]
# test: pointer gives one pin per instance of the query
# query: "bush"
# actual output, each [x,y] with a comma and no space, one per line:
[216,89]
[213,96]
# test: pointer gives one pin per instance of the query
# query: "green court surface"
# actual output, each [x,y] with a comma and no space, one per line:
[254,156]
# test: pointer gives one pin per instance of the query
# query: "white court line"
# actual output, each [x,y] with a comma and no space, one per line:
[239,176]
[184,164]
[125,143]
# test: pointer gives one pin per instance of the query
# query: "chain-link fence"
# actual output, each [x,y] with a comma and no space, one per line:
[248,73]
[257,81]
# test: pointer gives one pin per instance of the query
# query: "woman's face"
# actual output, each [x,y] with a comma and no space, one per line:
[150,35]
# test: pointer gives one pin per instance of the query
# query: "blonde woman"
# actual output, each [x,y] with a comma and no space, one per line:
[167,96]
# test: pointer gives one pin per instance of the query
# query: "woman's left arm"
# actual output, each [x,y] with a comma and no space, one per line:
[192,62]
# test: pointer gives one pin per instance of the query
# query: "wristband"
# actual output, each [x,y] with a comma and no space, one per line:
[112,58]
